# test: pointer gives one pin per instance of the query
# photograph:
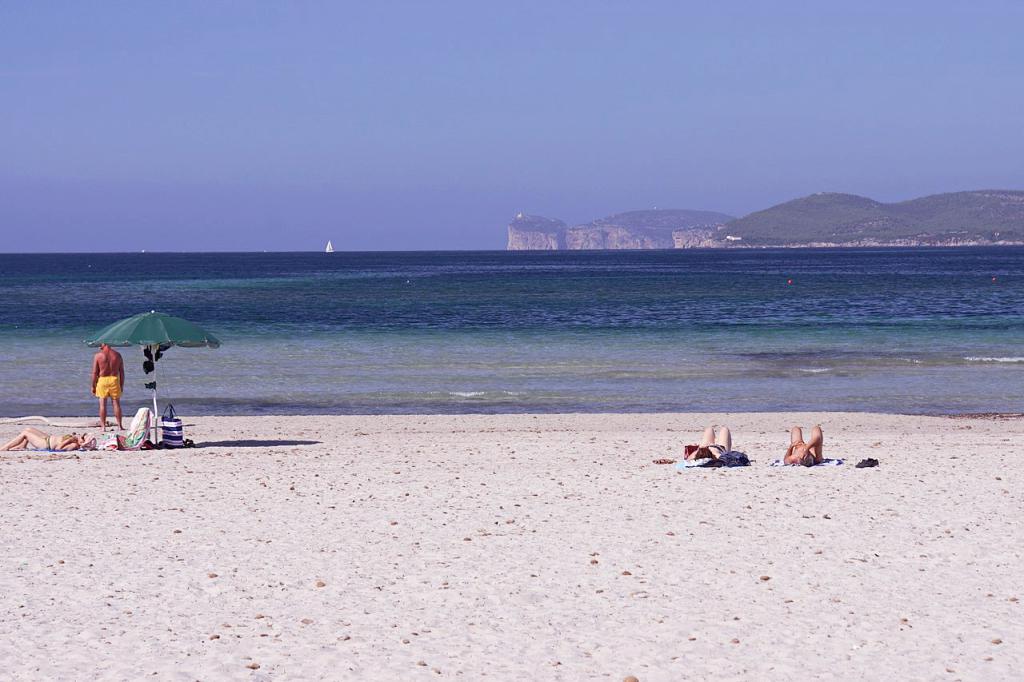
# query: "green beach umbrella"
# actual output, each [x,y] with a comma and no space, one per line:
[155,332]
[154,329]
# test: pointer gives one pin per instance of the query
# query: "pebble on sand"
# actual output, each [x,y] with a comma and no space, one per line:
[321,583]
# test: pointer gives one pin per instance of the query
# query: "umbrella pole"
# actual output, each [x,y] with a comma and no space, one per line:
[153,350]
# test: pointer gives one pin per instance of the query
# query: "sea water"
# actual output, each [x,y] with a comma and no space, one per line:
[895,330]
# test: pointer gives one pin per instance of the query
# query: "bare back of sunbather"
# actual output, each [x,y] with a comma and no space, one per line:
[33,439]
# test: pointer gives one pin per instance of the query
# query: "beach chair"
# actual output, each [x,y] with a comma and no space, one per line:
[138,430]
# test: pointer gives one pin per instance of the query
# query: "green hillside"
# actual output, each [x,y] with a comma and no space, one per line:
[661,220]
[981,216]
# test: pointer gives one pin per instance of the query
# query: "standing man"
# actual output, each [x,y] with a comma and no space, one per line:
[107,380]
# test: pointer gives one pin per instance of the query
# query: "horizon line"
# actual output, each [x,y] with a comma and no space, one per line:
[742,249]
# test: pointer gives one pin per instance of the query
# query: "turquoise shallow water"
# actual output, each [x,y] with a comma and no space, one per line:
[889,330]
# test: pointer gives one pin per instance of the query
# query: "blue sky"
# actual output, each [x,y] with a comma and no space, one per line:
[249,125]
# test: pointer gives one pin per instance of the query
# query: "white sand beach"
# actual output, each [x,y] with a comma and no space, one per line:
[518,547]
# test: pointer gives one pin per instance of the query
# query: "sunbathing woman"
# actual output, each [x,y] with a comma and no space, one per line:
[34,439]
[804,453]
[712,445]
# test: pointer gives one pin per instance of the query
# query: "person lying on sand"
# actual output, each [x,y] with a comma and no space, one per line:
[805,453]
[712,445]
[34,439]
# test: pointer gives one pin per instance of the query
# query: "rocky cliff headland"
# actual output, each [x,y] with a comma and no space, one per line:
[654,229]
[976,218]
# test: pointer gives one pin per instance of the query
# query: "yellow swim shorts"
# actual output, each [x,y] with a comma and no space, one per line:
[108,387]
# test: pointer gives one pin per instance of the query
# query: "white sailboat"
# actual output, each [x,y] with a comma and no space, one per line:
[330,247]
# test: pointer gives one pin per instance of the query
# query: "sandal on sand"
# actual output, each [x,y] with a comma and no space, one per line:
[866,463]
[664,460]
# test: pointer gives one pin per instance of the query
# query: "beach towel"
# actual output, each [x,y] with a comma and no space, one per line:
[729,459]
[137,430]
[822,463]
[693,463]
[108,441]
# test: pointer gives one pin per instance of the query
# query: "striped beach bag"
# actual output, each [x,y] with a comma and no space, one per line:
[171,428]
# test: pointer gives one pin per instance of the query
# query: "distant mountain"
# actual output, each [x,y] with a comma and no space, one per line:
[824,219]
[653,229]
[831,219]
